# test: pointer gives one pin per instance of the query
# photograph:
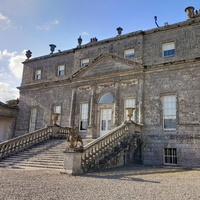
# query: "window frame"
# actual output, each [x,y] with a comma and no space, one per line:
[128,55]
[166,49]
[33,119]
[133,118]
[84,116]
[170,158]
[36,74]
[54,110]
[58,70]
[170,109]
[85,62]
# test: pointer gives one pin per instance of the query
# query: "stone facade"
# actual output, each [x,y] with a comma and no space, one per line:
[145,79]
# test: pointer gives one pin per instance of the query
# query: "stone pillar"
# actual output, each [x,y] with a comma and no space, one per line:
[140,101]
[116,105]
[72,108]
[72,162]
[91,129]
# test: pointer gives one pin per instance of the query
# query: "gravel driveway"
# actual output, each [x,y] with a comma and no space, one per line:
[130,182]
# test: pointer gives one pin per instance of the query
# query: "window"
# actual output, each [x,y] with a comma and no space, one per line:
[57,109]
[168,49]
[84,116]
[129,54]
[106,98]
[84,62]
[61,70]
[38,73]
[129,103]
[169,112]
[32,122]
[170,156]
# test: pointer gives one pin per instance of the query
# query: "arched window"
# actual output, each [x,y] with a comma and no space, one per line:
[106,98]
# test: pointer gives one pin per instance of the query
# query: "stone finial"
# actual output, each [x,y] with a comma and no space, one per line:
[52,48]
[80,41]
[190,12]
[28,54]
[94,39]
[119,30]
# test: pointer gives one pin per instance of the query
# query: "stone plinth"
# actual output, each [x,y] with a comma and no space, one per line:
[72,162]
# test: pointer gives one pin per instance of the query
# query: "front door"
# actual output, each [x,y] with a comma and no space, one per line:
[106,120]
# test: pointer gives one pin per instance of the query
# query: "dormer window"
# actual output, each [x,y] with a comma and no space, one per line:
[38,74]
[168,49]
[61,70]
[129,54]
[84,62]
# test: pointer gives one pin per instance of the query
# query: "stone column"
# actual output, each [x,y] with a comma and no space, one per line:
[91,129]
[72,108]
[116,105]
[140,99]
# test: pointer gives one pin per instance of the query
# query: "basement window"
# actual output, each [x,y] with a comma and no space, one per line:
[170,156]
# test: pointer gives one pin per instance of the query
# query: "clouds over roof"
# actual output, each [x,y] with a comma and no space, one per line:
[11,69]
[48,26]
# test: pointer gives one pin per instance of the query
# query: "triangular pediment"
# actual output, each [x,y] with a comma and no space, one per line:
[107,64]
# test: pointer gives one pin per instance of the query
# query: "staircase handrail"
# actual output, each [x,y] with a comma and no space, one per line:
[101,138]
[99,151]
[22,142]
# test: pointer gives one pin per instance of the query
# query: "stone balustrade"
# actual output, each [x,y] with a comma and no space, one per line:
[20,143]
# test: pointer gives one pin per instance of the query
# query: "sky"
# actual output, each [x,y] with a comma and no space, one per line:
[34,24]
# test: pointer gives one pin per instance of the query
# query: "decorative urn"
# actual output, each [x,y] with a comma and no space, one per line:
[130,112]
[55,118]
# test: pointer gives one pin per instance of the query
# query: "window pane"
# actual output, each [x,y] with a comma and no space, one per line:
[106,98]
[32,119]
[128,54]
[84,116]
[169,112]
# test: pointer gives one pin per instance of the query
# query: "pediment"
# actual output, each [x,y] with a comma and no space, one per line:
[107,64]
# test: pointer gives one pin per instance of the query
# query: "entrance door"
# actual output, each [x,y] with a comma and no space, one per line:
[106,120]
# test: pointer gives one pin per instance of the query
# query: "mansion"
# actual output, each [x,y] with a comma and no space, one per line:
[156,72]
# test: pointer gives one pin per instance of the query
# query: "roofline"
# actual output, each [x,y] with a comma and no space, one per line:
[118,37]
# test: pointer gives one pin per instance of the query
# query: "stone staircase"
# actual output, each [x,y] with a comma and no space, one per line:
[47,154]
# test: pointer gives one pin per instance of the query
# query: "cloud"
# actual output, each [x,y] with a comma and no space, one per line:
[84,33]
[48,26]
[7,92]
[15,64]
[5,53]
[5,21]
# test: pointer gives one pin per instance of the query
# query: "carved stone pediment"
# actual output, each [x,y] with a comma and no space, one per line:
[107,64]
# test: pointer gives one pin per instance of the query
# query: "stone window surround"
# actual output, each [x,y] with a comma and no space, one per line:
[53,111]
[80,119]
[129,53]
[172,42]
[36,74]
[84,62]
[58,70]
[170,159]
[162,111]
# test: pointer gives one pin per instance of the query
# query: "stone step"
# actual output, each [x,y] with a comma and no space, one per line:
[48,154]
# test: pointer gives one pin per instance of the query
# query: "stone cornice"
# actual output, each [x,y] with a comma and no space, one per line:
[119,37]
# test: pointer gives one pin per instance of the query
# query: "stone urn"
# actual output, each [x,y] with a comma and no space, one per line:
[190,11]
[52,48]
[54,118]
[130,112]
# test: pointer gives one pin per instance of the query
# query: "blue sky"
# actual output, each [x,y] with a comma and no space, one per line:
[34,24]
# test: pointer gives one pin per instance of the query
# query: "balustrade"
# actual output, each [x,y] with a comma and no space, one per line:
[23,142]
[104,148]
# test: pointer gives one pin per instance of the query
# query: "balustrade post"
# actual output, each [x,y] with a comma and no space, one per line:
[72,162]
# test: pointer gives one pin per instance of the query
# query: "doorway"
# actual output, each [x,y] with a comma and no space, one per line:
[105,121]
